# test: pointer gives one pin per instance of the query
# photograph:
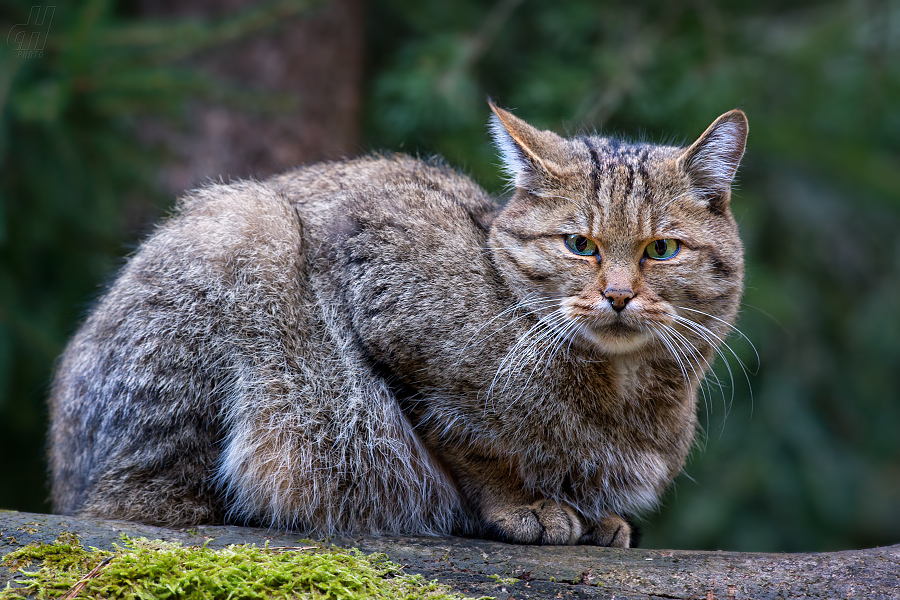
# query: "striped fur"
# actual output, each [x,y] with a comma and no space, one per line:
[374,346]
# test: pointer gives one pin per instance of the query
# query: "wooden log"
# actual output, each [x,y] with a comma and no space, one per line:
[505,571]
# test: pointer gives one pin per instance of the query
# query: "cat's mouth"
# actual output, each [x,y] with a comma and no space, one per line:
[614,332]
[615,337]
[619,327]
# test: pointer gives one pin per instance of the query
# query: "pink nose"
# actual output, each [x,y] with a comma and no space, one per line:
[618,298]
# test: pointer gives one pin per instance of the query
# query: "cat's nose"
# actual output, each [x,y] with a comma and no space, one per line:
[618,298]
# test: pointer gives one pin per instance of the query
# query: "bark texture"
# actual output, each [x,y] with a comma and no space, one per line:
[477,567]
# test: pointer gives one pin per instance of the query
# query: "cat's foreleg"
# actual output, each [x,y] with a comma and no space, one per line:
[612,531]
[540,522]
[507,512]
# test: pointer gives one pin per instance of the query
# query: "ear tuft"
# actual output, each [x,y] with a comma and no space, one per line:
[513,163]
[522,148]
[713,159]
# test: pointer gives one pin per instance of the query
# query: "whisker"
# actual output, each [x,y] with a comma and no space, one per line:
[703,330]
[550,350]
[706,331]
[526,348]
[730,326]
[705,337]
[710,370]
[666,340]
[665,332]
[690,351]
[526,302]
[667,335]
[758,309]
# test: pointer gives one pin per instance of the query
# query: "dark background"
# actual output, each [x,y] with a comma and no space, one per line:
[131,103]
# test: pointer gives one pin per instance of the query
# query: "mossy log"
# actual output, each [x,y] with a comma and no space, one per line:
[477,567]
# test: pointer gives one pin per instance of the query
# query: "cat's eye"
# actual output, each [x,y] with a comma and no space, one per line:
[662,249]
[580,245]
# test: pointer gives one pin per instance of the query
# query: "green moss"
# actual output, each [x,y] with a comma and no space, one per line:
[143,569]
[504,580]
[30,528]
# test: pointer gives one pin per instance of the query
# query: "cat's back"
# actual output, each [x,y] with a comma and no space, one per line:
[222,295]
[329,195]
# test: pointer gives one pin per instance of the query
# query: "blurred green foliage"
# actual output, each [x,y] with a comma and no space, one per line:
[77,184]
[807,458]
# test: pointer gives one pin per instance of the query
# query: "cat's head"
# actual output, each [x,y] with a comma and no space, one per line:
[613,243]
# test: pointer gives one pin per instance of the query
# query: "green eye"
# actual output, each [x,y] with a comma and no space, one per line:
[580,245]
[663,249]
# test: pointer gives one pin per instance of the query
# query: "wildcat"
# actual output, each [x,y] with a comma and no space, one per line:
[374,346]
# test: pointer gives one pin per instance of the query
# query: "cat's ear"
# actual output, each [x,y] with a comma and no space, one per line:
[527,152]
[712,161]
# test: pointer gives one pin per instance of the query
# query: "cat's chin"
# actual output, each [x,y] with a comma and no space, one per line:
[618,339]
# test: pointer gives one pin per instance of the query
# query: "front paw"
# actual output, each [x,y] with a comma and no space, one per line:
[543,522]
[612,531]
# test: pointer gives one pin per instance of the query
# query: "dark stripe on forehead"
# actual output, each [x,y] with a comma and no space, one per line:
[642,161]
[645,173]
[595,160]
[629,179]
[635,159]
[613,145]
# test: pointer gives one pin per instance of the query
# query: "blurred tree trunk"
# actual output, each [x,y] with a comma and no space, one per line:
[316,61]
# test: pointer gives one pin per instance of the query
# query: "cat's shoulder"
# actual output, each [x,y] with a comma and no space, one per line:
[385,183]
[375,170]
